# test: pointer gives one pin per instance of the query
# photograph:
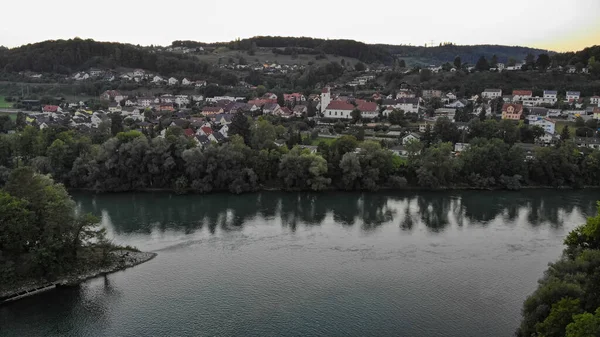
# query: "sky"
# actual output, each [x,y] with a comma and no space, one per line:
[547,24]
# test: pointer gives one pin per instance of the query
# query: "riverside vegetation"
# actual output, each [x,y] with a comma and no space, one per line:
[251,160]
[44,238]
[567,301]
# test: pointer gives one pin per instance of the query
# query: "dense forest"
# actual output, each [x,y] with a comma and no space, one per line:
[68,56]
[567,301]
[131,160]
[41,234]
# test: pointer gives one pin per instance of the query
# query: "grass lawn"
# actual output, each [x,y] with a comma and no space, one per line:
[560,125]
[13,117]
[327,141]
[4,104]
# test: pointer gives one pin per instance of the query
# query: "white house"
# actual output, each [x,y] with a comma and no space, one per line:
[338,110]
[573,96]
[157,79]
[224,130]
[519,95]
[411,137]
[491,93]
[138,73]
[595,100]
[173,81]
[460,147]
[547,124]
[550,96]
[596,113]
[185,81]
[145,101]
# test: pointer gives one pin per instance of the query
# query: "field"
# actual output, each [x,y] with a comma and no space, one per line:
[4,104]
[264,55]
[327,141]
[13,117]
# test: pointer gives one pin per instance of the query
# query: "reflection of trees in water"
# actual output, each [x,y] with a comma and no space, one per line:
[140,212]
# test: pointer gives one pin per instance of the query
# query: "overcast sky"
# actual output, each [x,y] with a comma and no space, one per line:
[548,24]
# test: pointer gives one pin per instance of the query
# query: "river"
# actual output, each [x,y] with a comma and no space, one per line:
[332,264]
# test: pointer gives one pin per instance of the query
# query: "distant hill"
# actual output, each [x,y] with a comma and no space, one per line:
[370,53]
[468,54]
[68,56]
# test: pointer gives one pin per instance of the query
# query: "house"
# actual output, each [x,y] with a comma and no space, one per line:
[208,132]
[538,111]
[573,96]
[338,110]
[368,109]
[114,107]
[185,81]
[130,102]
[189,133]
[166,107]
[167,99]
[491,93]
[211,111]
[300,110]
[197,98]
[432,93]
[224,130]
[547,138]
[95,72]
[145,101]
[550,96]
[200,84]
[595,100]
[408,105]
[399,150]
[286,112]
[460,147]
[512,111]
[445,112]
[202,140]
[589,142]
[547,124]
[109,95]
[272,109]
[520,95]
[459,104]
[139,73]
[596,113]
[157,80]
[173,81]
[405,93]
[219,137]
[411,137]
[120,98]
[51,108]
[270,95]
[294,97]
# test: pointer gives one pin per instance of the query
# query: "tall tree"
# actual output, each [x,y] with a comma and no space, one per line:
[543,61]
[482,64]
[240,126]
[494,61]
[457,62]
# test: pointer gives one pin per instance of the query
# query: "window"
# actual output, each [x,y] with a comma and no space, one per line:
[336,113]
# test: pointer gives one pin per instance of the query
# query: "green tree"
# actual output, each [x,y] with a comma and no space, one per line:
[457,62]
[543,61]
[396,117]
[584,325]
[565,134]
[494,61]
[240,126]
[356,115]
[482,64]
[561,315]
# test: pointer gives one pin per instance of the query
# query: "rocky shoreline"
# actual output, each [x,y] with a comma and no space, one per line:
[123,259]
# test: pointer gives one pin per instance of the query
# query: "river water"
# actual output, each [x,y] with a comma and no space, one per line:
[334,264]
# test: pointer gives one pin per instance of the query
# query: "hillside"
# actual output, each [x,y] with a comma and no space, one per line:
[371,53]
[68,56]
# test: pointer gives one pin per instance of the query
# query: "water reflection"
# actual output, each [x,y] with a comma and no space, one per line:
[143,213]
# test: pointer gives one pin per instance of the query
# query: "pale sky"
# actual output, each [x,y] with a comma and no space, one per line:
[548,24]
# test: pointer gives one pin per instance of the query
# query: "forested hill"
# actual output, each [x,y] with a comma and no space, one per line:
[68,56]
[371,53]
[468,54]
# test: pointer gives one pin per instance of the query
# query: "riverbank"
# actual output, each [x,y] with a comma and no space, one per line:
[123,259]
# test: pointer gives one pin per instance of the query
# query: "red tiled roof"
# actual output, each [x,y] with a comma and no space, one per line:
[208,131]
[189,132]
[522,93]
[340,105]
[597,110]
[518,108]
[286,111]
[50,108]
[367,106]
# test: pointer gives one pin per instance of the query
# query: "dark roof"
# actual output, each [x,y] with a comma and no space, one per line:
[219,136]
[203,139]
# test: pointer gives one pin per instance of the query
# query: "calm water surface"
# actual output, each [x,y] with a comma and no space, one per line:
[276,264]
